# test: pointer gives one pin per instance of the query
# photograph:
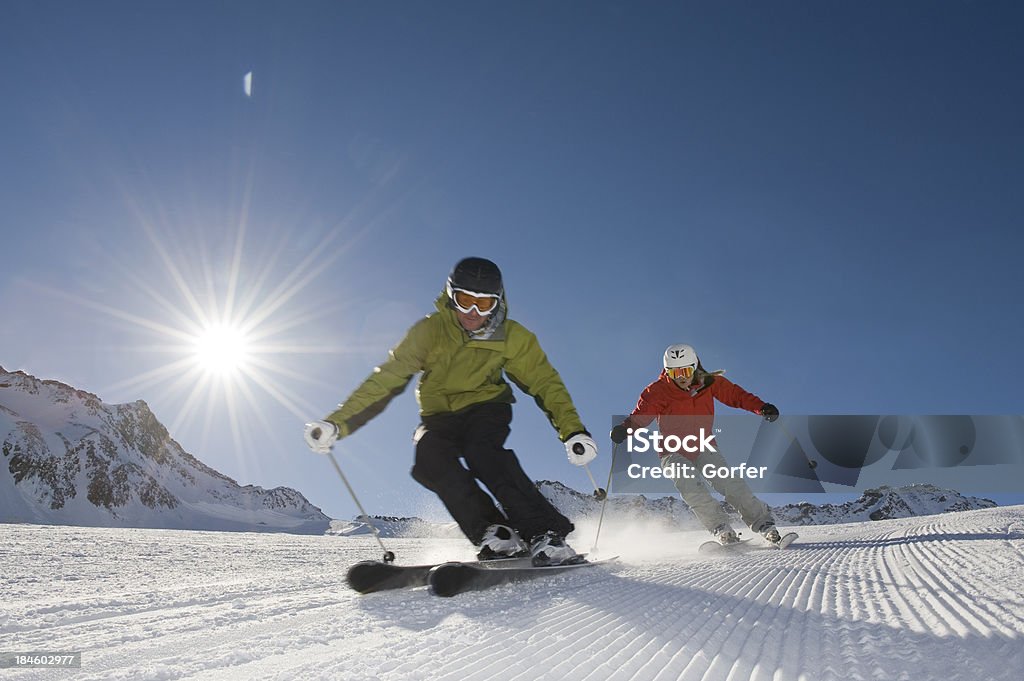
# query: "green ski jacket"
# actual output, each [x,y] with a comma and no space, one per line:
[459,372]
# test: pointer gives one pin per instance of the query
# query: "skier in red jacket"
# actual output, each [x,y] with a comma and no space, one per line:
[682,400]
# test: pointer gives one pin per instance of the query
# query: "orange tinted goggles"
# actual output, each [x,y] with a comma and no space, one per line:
[465,301]
[679,373]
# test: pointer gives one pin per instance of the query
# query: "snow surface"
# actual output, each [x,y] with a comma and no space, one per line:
[937,597]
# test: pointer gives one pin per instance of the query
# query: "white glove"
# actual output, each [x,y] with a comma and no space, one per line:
[581,449]
[320,436]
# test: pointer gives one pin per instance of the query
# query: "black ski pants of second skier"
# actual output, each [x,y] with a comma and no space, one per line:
[477,434]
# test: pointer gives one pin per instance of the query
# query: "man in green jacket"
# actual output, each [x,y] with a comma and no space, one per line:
[464,351]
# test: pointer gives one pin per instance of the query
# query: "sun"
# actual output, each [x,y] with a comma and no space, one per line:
[222,349]
[218,331]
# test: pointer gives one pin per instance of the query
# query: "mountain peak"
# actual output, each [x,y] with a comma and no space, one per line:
[69,458]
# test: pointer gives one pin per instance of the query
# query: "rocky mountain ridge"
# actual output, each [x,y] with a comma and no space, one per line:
[672,513]
[69,458]
[874,504]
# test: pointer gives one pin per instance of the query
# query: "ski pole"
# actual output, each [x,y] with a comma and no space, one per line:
[811,463]
[604,500]
[598,492]
[389,557]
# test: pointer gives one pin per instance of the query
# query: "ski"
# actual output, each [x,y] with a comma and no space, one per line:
[742,545]
[369,576]
[786,540]
[451,579]
[713,546]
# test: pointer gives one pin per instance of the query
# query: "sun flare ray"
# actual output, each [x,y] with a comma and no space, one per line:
[227,319]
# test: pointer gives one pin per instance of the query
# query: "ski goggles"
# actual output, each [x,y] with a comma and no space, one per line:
[679,373]
[466,301]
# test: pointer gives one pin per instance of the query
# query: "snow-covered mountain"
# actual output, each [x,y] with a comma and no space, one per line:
[672,514]
[874,504]
[71,459]
[882,503]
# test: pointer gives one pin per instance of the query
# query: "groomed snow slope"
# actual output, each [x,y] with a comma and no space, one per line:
[938,597]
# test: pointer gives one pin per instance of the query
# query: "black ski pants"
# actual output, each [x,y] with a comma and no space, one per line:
[477,435]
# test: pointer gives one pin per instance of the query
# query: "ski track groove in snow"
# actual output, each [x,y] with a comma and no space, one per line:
[931,597]
[986,607]
[957,611]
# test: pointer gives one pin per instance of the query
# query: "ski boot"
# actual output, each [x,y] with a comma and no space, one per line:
[550,549]
[501,541]
[726,535]
[771,534]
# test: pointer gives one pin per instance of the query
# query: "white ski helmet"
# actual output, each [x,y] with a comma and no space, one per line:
[680,355]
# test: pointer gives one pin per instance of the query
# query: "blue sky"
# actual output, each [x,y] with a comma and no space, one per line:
[823,198]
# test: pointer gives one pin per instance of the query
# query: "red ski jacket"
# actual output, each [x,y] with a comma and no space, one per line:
[685,412]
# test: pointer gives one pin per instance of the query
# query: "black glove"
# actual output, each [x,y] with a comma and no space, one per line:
[770,412]
[618,434]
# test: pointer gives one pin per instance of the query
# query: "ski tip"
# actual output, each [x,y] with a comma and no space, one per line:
[363,576]
[448,579]
[369,576]
[787,539]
